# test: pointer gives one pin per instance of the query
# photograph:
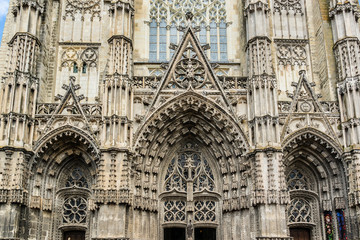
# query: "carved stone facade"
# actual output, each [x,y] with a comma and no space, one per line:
[180,120]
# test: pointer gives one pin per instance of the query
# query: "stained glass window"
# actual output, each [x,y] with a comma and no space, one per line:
[328,225]
[167,15]
[340,214]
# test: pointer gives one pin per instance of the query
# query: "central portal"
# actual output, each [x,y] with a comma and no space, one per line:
[189,197]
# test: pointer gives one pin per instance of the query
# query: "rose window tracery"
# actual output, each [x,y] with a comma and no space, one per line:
[189,70]
[74,210]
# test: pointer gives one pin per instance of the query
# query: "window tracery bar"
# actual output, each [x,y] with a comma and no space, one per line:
[299,211]
[189,172]
[189,166]
[205,211]
[174,211]
[167,15]
[297,181]
[77,179]
[74,210]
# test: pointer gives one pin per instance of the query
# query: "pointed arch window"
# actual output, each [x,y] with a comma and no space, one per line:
[167,15]
[77,179]
[73,196]
[189,166]
[191,177]
[297,180]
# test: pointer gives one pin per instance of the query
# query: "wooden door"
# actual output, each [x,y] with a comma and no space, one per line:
[74,235]
[300,233]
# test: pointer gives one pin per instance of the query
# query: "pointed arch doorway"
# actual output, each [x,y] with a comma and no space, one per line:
[74,235]
[300,233]
[189,199]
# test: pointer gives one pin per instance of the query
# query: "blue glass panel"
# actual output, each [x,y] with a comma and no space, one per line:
[202,34]
[153,41]
[222,47]
[223,41]
[341,224]
[213,42]
[173,37]
[162,40]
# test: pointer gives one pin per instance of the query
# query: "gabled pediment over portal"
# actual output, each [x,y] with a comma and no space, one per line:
[190,70]
[305,110]
[68,111]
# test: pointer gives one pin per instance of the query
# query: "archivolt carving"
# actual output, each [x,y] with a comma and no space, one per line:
[189,116]
[320,139]
[220,125]
[288,5]
[47,141]
[83,3]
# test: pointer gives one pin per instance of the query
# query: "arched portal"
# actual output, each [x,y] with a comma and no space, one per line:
[189,133]
[63,177]
[190,198]
[316,181]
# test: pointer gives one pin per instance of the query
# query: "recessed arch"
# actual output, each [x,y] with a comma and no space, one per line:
[205,118]
[72,132]
[317,155]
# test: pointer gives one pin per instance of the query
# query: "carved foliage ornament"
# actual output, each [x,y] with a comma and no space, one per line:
[288,5]
[81,4]
[291,53]
[204,11]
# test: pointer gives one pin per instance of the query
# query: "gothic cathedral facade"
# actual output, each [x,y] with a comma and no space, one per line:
[180,120]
